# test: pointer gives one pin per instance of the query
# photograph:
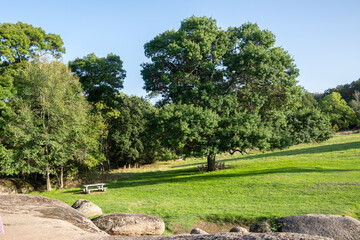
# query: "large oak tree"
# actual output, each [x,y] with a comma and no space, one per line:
[237,74]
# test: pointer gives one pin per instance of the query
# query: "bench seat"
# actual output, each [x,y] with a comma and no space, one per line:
[94,187]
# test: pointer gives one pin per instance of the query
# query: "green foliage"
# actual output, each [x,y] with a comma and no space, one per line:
[317,96]
[48,127]
[6,94]
[264,76]
[19,42]
[309,101]
[341,115]
[200,62]
[238,74]
[355,103]
[129,140]
[188,130]
[185,64]
[346,91]
[301,126]
[308,125]
[101,78]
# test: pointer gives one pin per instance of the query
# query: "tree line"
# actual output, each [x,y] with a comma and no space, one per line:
[220,91]
[342,105]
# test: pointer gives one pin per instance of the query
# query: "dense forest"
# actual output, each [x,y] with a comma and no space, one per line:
[220,91]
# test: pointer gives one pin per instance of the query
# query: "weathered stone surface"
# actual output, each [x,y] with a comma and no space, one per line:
[224,236]
[1,227]
[334,226]
[87,208]
[33,217]
[239,230]
[197,231]
[260,227]
[15,186]
[130,224]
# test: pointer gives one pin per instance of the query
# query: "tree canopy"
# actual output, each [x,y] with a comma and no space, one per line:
[101,78]
[346,91]
[129,139]
[48,126]
[237,74]
[200,62]
[341,115]
[19,42]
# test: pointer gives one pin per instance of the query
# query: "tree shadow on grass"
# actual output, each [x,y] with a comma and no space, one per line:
[192,175]
[312,150]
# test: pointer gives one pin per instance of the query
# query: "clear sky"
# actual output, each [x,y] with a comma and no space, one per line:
[323,36]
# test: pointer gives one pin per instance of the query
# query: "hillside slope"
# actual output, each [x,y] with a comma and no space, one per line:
[308,178]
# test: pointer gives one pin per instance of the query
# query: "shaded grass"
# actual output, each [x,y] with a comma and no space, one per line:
[308,178]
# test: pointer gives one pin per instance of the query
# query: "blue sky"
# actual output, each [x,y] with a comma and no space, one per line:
[322,36]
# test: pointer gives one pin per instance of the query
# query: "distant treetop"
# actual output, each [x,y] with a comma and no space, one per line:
[21,41]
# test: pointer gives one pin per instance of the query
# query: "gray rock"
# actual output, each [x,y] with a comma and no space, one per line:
[334,226]
[34,217]
[261,227]
[15,186]
[197,231]
[87,208]
[130,224]
[239,230]
[224,236]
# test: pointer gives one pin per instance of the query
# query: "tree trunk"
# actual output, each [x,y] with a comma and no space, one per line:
[211,163]
[48,184]
[61,184]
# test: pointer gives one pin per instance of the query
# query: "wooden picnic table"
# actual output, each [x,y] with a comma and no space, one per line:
[95,186]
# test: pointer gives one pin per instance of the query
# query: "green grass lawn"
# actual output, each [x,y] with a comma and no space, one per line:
[308,178]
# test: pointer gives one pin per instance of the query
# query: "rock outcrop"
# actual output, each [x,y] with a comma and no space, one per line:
[337,227]
[239,230]
[87,208]
[260,227]
[34,217]
[224,236]
[197,231]
[15,186]
[130,224]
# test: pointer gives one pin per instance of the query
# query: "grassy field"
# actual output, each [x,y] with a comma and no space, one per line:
[309,178]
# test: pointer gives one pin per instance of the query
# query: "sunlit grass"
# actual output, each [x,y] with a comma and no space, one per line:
[308,178]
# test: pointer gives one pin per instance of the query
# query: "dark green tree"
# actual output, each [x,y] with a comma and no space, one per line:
[129,139]
[188,130]
[101,78]
[237,74]
[308,101]
[19,42]
[263,76]
[308,125]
